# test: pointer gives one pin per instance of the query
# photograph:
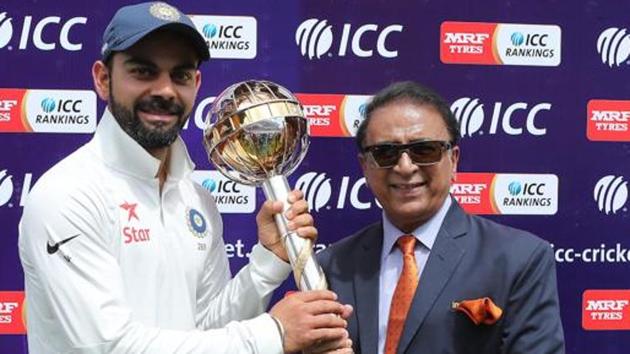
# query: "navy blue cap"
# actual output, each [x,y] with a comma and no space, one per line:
[132,23]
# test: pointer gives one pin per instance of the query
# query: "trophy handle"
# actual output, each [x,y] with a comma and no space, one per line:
[307,272]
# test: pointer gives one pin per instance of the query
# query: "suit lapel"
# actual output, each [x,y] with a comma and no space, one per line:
[366,284]
[443,260]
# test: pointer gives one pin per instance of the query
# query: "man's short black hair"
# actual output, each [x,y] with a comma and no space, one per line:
[412,92]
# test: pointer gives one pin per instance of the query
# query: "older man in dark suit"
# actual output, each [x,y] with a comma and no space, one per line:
[429,278]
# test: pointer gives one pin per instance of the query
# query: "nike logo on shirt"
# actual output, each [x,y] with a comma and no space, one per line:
[52,249]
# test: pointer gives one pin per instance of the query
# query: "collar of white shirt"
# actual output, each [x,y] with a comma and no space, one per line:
[120,152]
[425,233]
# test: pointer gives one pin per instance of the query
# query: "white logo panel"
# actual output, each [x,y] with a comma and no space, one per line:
[353,108]
[231,197]
[537,45]
[61,111]
[228,37]
[526,194]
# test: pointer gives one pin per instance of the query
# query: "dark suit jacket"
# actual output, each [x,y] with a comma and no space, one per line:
[472,258]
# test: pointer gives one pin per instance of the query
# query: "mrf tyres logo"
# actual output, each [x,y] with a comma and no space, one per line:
[228,37]
[6,107]
[607,120]
[606,309]
[472,192]
[613,46]
[316,39]
[611,194]
[12,312]
[500,44]
[231,197]
[323,193]
[332,114]
[475,118]
[48,33]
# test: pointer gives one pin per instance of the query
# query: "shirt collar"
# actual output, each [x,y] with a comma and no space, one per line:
[119,151]
[425,233]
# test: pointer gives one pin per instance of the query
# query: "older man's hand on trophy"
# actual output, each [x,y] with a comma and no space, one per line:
[314,321]
[299,221]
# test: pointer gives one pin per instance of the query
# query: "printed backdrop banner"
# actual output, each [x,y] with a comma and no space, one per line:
[540,89]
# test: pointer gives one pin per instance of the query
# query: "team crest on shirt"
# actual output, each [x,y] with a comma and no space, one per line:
[196,223]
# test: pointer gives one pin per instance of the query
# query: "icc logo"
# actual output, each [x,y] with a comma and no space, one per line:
[224,186]
[210,31]
[515,188]
[316,188]
[315,38]
[534,40]
[613,45]
[318,191]
[49,104]
[470,114]
[40,31]
[611,193]
[6,29]
[6,187]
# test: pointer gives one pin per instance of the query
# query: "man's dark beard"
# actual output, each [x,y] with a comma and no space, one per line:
[148,138]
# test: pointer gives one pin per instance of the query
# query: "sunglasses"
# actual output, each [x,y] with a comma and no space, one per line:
[422,153]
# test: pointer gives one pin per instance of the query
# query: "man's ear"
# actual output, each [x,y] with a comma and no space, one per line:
[197,80]
[102,79]
[363,162]
[454,156]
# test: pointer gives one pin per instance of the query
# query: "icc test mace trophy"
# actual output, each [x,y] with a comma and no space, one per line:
[257,135]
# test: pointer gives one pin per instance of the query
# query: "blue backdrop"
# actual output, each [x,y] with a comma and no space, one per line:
[540,87]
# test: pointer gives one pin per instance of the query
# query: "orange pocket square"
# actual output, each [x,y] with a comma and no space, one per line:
[481,310]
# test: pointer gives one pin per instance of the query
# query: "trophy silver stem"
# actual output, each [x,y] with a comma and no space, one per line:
[307,272]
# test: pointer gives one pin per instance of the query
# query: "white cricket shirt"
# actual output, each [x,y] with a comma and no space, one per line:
[112,266]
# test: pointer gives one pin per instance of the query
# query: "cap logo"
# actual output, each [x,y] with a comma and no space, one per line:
[164,12]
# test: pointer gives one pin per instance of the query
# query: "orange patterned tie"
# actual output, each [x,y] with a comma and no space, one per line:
[403,295]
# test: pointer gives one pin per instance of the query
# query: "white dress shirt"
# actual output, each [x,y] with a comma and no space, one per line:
[392,262]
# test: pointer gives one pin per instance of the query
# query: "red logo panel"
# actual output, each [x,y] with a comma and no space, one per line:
[467,43]
[608,120]
[11,102]
[472,192]
[606,310]
[323,113]
[11,303]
